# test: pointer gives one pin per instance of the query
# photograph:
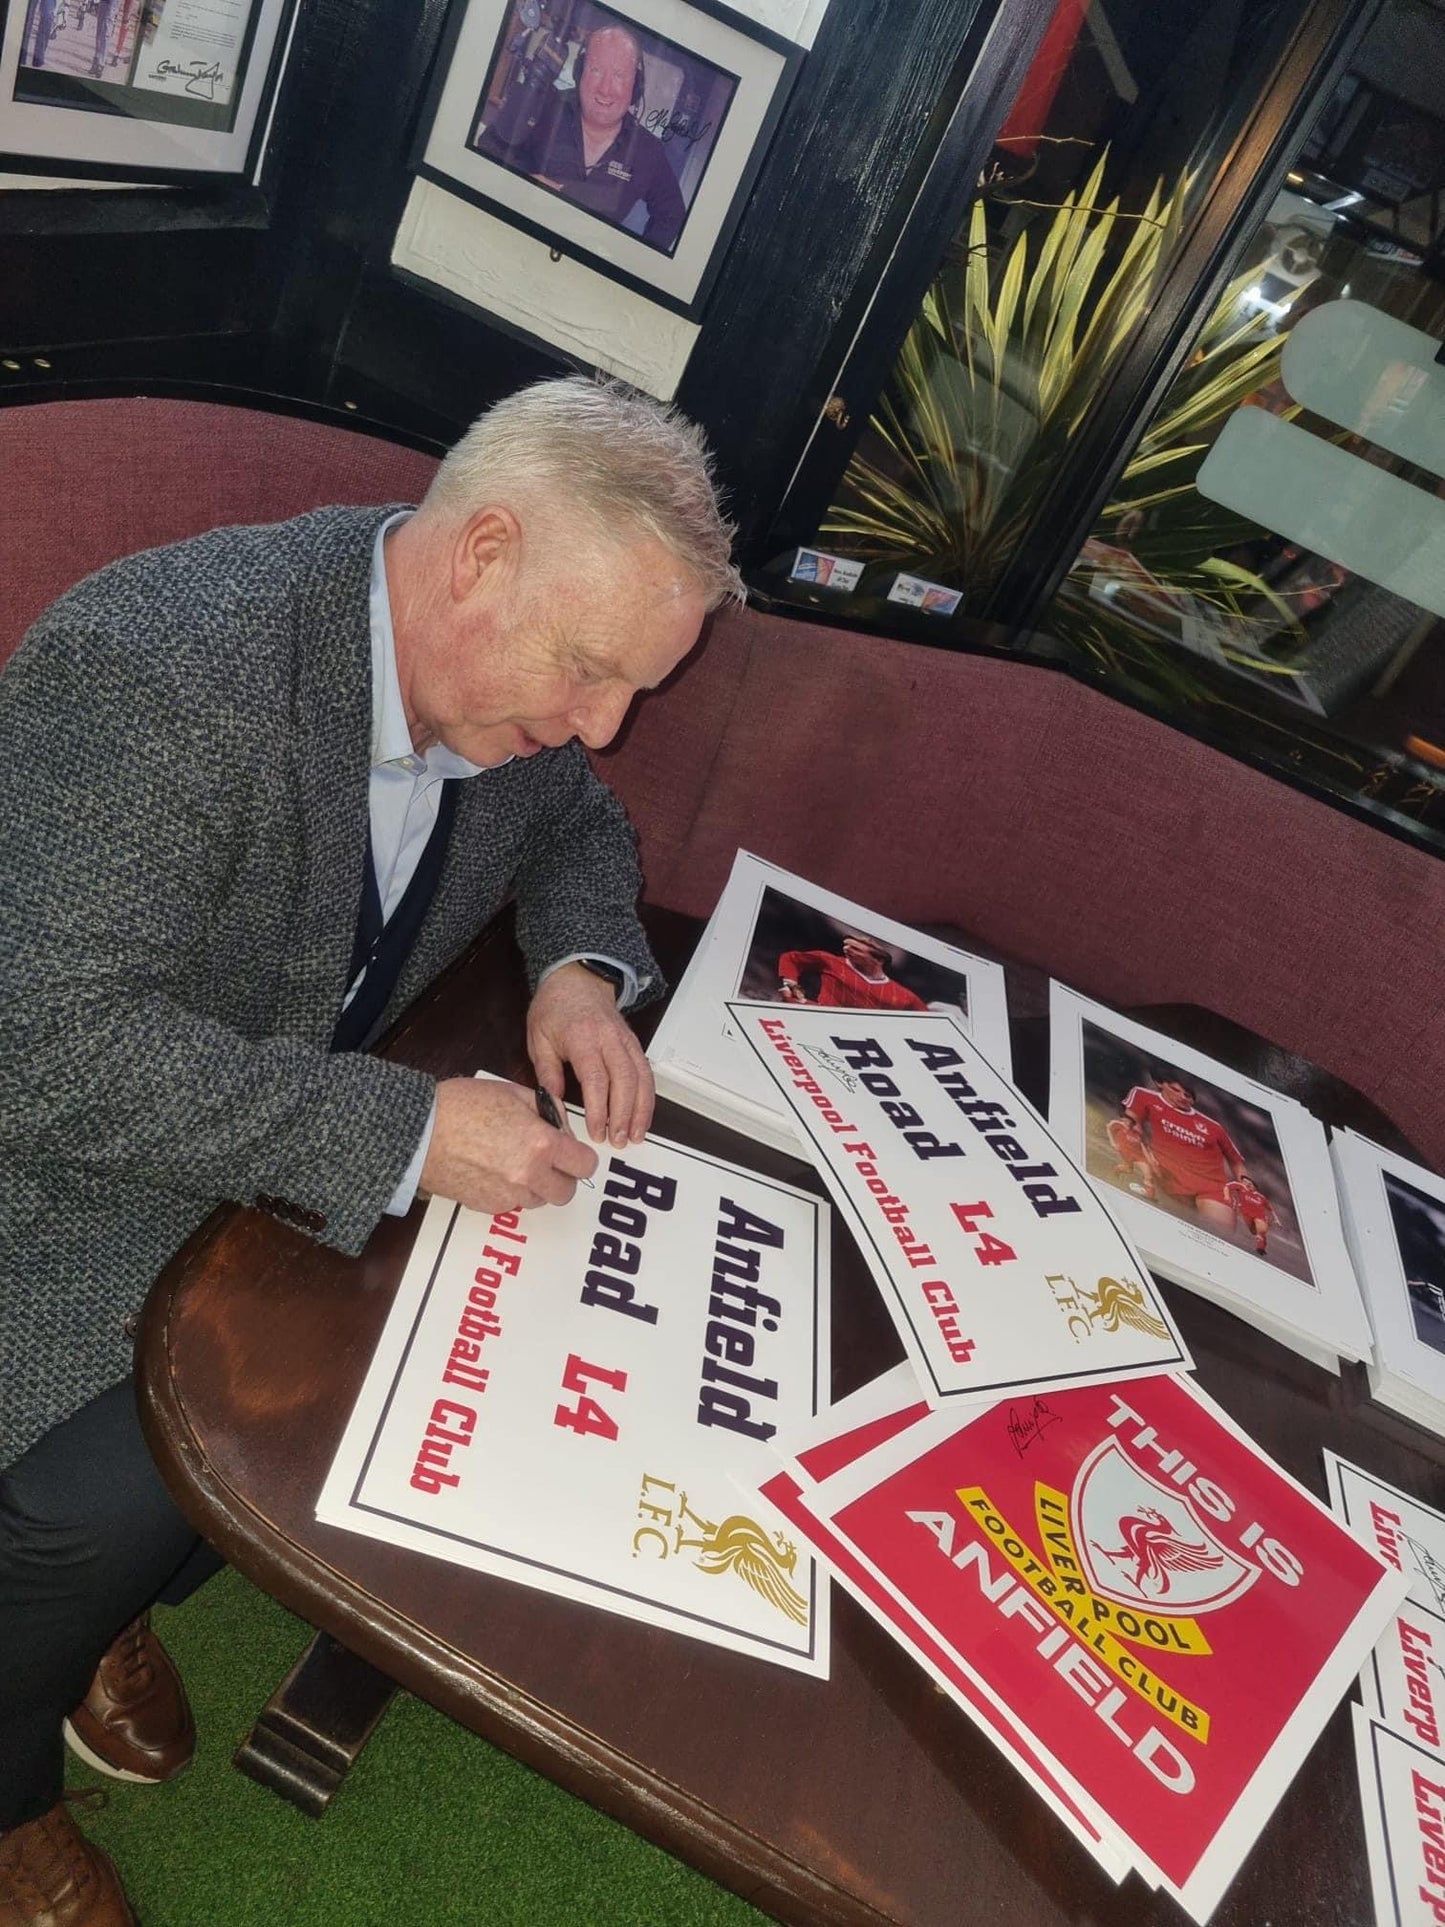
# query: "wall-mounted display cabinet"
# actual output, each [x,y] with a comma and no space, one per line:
[1170,408]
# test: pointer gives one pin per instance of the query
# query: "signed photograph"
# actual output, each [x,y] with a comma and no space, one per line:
[1224,1182]
[1190,1149]
[626,134]
[592,106]
[782,939]
[140,89]
[800,955]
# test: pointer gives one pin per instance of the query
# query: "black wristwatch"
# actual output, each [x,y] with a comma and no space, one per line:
[609,973]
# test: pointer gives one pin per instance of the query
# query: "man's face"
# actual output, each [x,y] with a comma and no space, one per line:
[863,956]
[1175,1093]
[604,92]
[534,670]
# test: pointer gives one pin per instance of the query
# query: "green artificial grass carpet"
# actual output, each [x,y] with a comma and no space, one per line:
[432,1826]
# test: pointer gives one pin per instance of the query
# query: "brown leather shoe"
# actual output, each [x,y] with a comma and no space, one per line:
[135,1722]
[51,1876]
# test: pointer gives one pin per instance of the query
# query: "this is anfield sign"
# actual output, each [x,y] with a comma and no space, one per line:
[854,1426]
[1002,1270]
[1168,1615]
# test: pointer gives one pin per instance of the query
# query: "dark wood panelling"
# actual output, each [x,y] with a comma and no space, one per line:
[867,113]
[359,70]
[884,300]
[409,354]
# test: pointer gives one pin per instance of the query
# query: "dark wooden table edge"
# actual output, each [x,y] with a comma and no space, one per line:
[435,1672]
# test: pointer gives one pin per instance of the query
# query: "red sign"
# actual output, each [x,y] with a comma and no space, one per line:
[1170,1616]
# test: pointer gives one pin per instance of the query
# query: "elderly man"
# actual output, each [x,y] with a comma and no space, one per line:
[259,788]
[596,154]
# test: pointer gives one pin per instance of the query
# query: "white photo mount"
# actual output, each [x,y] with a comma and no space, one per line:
[1407,1311]
[697,1058]
[1320,1315]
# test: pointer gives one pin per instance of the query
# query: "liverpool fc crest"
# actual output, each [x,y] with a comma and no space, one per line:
[1143,1544]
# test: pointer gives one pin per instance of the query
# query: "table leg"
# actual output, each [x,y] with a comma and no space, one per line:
[314,1725]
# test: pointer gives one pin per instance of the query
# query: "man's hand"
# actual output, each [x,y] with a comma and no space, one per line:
[490,1150]
[574,1020]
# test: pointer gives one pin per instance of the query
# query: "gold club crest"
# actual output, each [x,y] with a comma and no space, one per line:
[739,1545]
[1115,1303]
[1120,1301]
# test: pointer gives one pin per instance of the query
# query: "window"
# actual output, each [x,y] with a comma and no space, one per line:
[1106,153]
[1271,564]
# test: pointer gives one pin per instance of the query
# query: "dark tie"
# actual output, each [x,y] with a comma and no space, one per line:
[382,948]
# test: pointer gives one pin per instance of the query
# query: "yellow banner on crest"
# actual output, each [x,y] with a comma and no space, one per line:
[1057,1579]
[1164,1632]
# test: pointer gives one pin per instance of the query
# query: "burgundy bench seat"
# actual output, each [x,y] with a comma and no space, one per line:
[1059,826]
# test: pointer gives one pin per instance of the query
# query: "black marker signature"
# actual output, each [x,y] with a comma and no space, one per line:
[825,1060]
[671,125]
[1429,1567]
[1025,1427]
[200,79]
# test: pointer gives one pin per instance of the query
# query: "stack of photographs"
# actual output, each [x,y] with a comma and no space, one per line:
[1225,1186]
[1394,1214]
[776,937]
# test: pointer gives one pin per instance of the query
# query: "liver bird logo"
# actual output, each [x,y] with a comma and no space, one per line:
[1142,1543]
[1157,1552]
[1121,1301]
[764,1562]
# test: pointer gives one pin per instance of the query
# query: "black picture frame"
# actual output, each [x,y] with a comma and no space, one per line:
[502,128]
[165,106]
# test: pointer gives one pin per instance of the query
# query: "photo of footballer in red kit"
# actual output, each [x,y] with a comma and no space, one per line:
[798,955]
[1189,1148]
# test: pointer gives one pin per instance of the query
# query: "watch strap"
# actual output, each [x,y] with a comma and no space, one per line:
[609,972]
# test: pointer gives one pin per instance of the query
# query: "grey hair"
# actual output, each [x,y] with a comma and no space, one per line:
[603,454]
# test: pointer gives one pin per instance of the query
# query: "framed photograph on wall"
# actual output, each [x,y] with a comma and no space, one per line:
[627,134]
[138,90]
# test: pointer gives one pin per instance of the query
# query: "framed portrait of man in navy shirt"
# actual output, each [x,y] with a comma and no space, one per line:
[627,135]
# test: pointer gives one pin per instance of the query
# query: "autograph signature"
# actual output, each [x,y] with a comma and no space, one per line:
[200,79]
[1431,1570]
[673,125]
[825,1060]
[1025,1427]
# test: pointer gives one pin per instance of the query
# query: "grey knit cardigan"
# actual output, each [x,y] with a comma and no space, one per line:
[184,751]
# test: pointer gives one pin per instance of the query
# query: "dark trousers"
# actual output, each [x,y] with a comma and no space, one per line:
[89,1538]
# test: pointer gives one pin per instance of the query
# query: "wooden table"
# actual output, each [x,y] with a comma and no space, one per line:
[868,1798]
